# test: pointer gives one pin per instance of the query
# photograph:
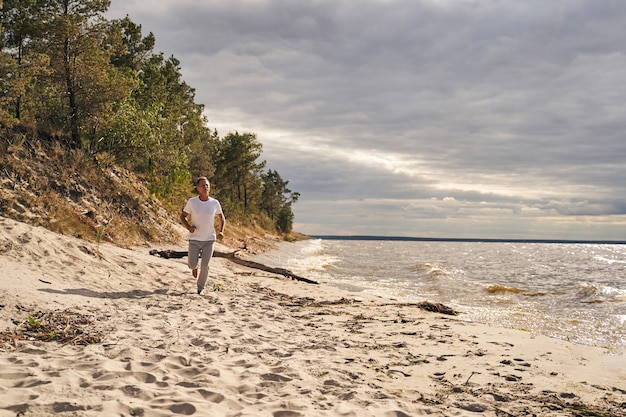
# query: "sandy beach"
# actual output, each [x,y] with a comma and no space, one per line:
[143,343]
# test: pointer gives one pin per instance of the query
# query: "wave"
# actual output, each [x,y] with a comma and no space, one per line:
[590,293]
[309,256]
[302,257]
[430,269]
[501,289]
[312,246]
[609,261]
[498,289]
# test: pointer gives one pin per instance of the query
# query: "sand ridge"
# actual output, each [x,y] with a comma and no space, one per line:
[265,345]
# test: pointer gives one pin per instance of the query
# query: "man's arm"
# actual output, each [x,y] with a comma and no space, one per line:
[220,234]
[185,222]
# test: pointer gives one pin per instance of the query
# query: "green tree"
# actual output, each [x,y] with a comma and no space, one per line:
[137,47]
[237,175]
[277,200]
[130,124]
[7,86]
[21,23]
[176,121]
[285,218]
[275,194]
[201,159]
[80,43]
[5,71]
[159,129]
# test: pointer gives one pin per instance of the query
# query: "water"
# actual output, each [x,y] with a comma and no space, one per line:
[569,291]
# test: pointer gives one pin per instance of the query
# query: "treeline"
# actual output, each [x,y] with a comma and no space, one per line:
[96,86]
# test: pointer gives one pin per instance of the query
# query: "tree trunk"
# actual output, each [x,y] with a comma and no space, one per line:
[71,95]
[20,51]
[170,254]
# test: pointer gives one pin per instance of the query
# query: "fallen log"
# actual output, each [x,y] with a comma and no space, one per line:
[170,254]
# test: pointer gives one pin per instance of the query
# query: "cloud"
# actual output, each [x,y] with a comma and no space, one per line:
[490,102]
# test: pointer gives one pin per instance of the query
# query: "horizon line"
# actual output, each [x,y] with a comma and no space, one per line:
[454,239]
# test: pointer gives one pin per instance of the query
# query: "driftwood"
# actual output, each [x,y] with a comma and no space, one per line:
[437,308]
[170,254]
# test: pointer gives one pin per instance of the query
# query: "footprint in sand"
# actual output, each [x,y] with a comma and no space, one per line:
[64,407]
[25,238]
[184,409]
[18,361]
[287,413]
[23,379]
[144,377]
[135,392]
[184,372]
[211,396]
[275,377]
[204,343]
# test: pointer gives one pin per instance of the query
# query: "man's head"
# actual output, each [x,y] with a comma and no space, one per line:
[203,185]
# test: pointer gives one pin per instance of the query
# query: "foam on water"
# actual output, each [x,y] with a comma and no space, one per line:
[610,261]
[305,257]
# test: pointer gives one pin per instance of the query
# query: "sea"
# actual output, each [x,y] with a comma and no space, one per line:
[570,291]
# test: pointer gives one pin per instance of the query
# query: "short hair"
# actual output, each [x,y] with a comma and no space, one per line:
[202,178]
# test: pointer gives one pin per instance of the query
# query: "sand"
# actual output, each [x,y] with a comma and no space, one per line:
[145,344]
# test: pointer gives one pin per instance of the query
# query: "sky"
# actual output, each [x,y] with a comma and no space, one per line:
[423,118]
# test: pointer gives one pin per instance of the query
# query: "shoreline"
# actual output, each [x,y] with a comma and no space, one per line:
[265,345]
[583,311]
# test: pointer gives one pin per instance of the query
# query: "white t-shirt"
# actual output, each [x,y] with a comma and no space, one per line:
[202,215]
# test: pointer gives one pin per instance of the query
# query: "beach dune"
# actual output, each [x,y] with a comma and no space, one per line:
[132,338]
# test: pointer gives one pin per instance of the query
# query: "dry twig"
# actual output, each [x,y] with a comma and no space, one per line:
[66,327]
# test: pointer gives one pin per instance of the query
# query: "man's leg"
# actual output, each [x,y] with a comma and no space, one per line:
[207,253]
[193,256]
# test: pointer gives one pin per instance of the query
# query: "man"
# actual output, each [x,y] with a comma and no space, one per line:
[198,217]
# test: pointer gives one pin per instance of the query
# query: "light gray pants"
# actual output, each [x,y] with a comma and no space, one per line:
[200,253]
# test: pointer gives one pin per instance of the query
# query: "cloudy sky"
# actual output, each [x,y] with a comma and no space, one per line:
[431,118]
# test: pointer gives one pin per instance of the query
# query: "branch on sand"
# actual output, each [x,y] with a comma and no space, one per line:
[170,254]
